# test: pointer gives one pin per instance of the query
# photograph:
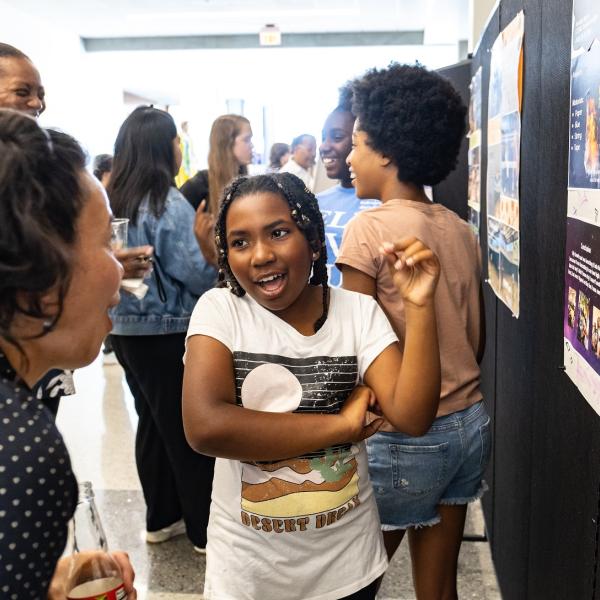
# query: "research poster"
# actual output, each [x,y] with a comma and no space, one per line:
[503,155]
[474,135]
[582,269]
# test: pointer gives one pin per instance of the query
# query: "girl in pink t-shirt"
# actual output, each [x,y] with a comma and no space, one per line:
[409,128]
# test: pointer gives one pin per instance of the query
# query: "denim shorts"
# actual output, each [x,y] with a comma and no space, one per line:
[412,476]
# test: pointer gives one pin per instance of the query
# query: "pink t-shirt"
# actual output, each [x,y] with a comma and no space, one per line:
[457,294]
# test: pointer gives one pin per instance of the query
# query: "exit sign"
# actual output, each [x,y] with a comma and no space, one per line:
[270,35]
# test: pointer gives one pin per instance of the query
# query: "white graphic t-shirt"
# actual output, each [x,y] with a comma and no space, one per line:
[304,528]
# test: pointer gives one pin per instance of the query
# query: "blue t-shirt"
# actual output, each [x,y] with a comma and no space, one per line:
[338,205]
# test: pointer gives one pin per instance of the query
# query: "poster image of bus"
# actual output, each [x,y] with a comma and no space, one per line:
[503,261]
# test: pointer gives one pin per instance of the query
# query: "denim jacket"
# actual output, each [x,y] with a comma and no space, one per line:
[184,273]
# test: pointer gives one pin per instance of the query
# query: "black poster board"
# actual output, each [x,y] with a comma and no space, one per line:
[542,511]
[452,192]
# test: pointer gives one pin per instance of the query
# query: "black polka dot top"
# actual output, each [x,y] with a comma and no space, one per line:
[38,491]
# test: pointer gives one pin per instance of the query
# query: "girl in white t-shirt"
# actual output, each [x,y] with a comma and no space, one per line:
[273,362]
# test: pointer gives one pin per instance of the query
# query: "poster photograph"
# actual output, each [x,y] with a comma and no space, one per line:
[474,156]
[581,322]
[503,169]
[586,24]
[584,151]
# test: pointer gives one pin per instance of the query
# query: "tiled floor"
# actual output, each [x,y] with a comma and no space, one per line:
[98,425]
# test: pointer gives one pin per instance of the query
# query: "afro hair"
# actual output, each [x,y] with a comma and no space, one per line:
[345,98]
[412,116]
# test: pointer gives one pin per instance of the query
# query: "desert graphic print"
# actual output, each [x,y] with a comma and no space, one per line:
[314,484]
[300,486]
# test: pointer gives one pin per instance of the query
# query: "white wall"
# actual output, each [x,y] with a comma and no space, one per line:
[297,87]
[294,87]
[480,12]
[77,98]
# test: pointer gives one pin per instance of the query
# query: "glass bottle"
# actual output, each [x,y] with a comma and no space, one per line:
[93,573]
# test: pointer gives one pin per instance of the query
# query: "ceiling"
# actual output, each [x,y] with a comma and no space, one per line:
[443,21]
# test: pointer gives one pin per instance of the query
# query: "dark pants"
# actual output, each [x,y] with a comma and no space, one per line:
[176,481]
[367,593]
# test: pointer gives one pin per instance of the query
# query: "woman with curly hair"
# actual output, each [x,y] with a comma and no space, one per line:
[58,279]
[409,128]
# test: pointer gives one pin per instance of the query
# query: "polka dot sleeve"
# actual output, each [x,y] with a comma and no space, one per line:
[38,492]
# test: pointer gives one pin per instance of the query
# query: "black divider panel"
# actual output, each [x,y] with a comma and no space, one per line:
[488,364]
[543,508]
[542,512]
[515,352]
[452,192]
[566,440]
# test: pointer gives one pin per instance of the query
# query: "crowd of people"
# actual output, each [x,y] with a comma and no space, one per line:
[305,368]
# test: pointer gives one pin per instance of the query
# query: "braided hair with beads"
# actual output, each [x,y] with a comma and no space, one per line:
[305,212]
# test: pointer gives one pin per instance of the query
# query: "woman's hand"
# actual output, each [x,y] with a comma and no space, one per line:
[58,591]
[122,559]
[354,412]
[204,230]
[136,262]
[415,269]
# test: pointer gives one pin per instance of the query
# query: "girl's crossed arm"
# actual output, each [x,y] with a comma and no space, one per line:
[216,426]
[406,382]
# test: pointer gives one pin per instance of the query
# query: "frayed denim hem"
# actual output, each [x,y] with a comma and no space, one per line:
[455,501]
[429,523]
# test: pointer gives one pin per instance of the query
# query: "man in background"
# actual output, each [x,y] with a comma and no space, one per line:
[301,163]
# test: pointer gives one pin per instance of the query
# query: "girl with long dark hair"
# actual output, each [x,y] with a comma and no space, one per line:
[149,333]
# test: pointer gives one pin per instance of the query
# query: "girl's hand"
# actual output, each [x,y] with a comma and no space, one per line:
[204,230]
[415,269]
[354,414]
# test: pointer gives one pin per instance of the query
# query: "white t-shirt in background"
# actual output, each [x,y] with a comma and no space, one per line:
[291,166]
[305,528]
